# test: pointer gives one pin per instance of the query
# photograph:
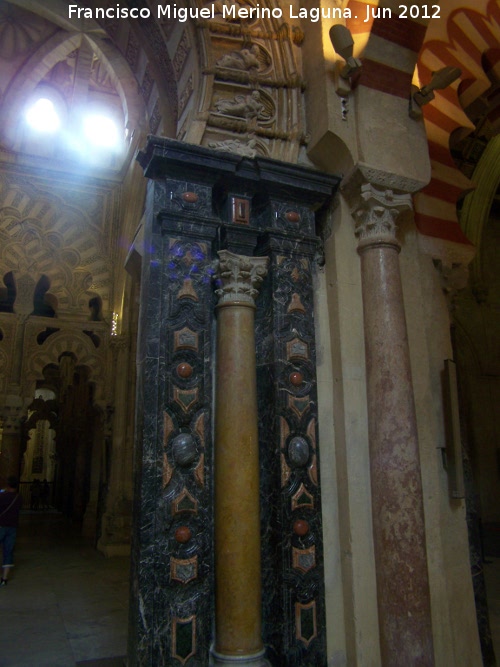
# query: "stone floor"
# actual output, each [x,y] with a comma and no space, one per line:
[492,577]
[66,605]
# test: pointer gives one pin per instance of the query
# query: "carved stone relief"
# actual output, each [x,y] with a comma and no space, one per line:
[248,149]
[245,59]
[253,106]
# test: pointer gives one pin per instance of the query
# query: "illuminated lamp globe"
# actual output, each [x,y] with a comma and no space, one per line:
[42,116]
[101,131]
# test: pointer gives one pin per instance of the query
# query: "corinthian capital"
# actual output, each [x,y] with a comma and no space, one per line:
[239,277]
[376,212]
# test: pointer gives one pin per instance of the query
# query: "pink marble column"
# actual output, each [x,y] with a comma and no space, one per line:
[397,502]
[238,601]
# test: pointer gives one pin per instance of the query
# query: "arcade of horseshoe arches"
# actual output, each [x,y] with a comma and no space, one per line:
[254,340]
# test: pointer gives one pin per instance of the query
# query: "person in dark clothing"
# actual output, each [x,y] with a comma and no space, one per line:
[10,504]
[44,494]
[35,494]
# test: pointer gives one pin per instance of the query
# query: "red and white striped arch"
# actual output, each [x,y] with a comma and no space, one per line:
[472,44]
[391,48]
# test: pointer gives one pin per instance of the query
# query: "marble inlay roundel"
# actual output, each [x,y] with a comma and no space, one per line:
[190,197]
[184,370]
[184,449]
[292,216]
[296,378]
[298,451]
[183,534]
[300,527]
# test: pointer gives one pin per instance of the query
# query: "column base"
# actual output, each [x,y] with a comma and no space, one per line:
[249,660]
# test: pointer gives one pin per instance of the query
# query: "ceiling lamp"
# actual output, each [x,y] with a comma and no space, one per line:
[440,79]
[42,116]
[343,44]
[101,131]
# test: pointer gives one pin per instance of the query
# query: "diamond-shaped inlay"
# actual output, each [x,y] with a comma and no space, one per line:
[304,559]
[285,471]
[297,348]
[305,622]
[299,404]
[284,431]
[187,290]
[302,498]
[199,471]
[295,304]
[199,427]
[167,471]
[186,398]
[184,638]
[311,432]
[185,503]
[183,570]
[185,339]
[168,427]
[313,468]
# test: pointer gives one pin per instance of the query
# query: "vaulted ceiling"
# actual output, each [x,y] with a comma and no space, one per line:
[63,204]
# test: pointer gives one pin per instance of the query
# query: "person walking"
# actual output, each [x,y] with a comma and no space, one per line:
[10,504]
[35,494]
[44,495]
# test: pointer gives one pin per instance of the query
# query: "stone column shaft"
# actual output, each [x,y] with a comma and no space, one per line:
[238,604]
[397,502]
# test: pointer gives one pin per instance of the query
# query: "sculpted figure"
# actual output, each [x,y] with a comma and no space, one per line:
[243,106]
[246,59]
[235,146]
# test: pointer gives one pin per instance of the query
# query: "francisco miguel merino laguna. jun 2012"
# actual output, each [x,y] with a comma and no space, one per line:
[233,11]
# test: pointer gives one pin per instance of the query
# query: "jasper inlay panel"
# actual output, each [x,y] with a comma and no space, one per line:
[173,553]
[287,377]
[200,202]
[184,639]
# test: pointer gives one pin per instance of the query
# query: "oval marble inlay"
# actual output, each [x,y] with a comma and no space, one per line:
[183,534]
[184,370]
[292,216]
[184,448]
[190,197]
[300,527]
[296,378]
[298,451]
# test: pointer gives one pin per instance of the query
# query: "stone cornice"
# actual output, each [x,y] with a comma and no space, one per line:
[362,174]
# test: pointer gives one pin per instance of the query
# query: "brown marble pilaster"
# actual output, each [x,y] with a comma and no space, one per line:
[397,502]
[238,633]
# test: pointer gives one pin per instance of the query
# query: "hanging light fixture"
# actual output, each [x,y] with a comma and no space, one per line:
[343,44]
[421,96]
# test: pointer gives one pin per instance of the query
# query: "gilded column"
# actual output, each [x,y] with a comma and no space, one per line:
[238,632]
[397,502]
